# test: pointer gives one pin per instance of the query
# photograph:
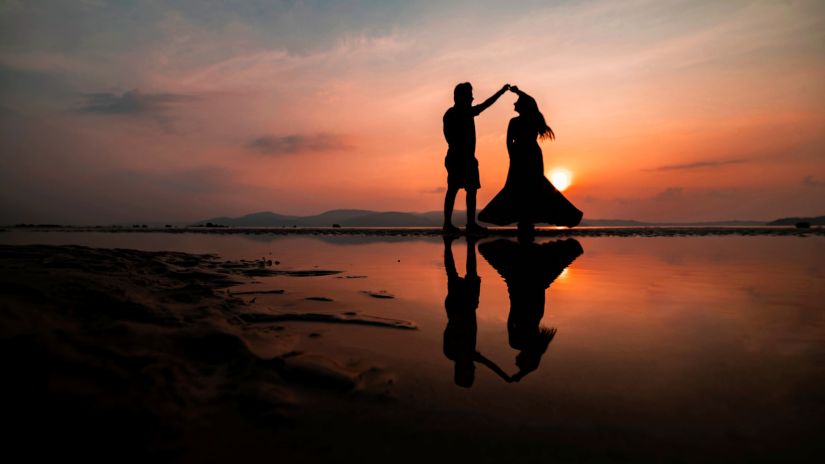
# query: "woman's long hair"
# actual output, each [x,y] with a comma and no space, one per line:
[530,356]
[534,116]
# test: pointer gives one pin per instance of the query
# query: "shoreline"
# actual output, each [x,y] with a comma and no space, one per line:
[586,231]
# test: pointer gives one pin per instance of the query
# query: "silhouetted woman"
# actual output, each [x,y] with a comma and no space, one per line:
[529,269]
[528,197]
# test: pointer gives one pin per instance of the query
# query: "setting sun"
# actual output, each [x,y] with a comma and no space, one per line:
[561,178]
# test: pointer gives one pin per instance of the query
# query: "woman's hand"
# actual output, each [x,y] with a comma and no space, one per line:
[514,89]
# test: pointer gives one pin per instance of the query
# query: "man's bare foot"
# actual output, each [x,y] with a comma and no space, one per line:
[450,229]
[476,229]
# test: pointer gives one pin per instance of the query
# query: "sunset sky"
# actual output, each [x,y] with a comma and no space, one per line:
[177,111]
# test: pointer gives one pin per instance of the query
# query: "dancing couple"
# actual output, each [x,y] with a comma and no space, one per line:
[527,197]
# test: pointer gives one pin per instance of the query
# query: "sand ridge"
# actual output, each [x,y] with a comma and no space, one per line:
[131,348]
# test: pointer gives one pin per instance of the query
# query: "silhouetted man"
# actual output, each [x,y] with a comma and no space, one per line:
[461,163]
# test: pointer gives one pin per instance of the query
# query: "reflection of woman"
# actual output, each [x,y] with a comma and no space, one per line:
[529,269]
[461,304]
[528,197]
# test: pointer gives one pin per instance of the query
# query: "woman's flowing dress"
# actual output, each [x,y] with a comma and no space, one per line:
[528,197]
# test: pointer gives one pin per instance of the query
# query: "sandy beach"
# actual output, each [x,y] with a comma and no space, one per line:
[135,355]
[330,348]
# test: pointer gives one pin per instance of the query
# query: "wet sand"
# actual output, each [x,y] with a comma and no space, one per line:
[130,355]
[133,355]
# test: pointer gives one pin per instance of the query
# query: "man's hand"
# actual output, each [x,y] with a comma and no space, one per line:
[505,88]
[512,88]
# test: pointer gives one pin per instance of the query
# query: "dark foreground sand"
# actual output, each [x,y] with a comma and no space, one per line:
[112,354]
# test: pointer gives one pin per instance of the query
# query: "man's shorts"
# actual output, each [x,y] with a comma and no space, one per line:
[462,173]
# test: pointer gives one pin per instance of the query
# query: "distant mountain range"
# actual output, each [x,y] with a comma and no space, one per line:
[367,218]
[814,221]
[342,217]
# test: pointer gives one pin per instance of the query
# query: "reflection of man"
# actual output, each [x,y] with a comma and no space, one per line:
[461,163]
[461,304]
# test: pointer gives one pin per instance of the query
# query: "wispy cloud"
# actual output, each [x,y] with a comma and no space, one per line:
[697,165]
[670,194]
[291,144]
[133,102]
[811,181]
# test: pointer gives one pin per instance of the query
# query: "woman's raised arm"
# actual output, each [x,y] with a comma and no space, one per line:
[518,91]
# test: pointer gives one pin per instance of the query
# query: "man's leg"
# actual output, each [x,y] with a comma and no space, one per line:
[449,202]
[471,213]
[471,206]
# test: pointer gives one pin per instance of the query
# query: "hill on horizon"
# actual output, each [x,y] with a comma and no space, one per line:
[368,218]
[342,217]
[790,221]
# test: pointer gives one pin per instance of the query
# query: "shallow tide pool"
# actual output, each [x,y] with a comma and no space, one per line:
[670,348]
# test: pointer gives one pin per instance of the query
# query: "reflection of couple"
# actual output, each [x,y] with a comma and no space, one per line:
[528,269]
[527,197]
[461,304]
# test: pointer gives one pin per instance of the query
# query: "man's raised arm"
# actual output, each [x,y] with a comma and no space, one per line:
[488,102]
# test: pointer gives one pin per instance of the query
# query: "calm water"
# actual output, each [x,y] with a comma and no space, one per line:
[689,346]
